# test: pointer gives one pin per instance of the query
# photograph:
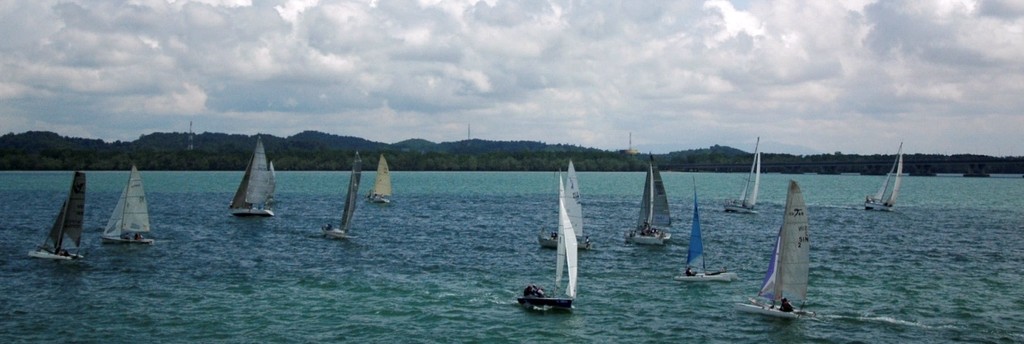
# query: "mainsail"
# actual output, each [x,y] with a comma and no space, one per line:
[353,192]
[654,206]
[69,221]
[573,206]
[696,243]
[382,184]
[566,245]
[788,269]
[258,182]
[131,213]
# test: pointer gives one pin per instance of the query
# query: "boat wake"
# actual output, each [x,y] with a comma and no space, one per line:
[892,321]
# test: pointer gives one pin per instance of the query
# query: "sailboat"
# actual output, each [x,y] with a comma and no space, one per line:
[697,251]
[381,192]
[653,212]
[68,223]
[341,232]
[256,191]
[885,198]
[131,216]
[533,296]
[745,204]
[786,278]
[574,208]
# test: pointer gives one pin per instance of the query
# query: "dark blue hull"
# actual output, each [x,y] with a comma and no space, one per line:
[559,303]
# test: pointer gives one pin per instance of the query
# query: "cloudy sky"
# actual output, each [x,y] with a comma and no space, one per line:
[856,76]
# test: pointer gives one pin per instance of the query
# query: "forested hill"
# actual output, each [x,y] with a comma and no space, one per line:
[312,150]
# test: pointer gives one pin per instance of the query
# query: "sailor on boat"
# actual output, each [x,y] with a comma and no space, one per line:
[786,307]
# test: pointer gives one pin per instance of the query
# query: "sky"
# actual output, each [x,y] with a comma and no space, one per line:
[806,77]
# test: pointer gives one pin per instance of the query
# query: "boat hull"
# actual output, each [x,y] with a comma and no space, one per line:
[44,254]
[640,239]
[767,310]
[714,277]
[335,234]
[118,240]
[246,212]
[739,208]
[545,302]
[379,199]
[871,205]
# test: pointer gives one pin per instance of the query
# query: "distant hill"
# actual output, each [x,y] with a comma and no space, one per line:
[314,150]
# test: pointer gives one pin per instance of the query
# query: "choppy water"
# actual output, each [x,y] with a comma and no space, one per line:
[445,261]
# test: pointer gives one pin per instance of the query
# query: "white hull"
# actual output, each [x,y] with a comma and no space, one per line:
[252,212]
[702,277]
[737,208]
[636,238]
[108,240]
[771,311]
[872,205]
[43,254]
[335,234]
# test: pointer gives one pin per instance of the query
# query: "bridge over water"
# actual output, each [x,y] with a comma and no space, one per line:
[974,167]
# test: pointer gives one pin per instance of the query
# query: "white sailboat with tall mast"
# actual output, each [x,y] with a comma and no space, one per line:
[573,206]
[696,251]
[381,192]
[748,197]
[885,198]
[341,232]
[533,296]
[787,274]
[255,193]
[67,229]
[131,215]
[654,214]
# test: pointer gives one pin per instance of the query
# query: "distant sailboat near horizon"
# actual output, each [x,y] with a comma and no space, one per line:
[787,275]
[341,232]
[68,224]
[533,296]
[130,217]
[381,192]
[574,207]
[885,198]
[746,202]
[696,250]
[654,213]
[255,193]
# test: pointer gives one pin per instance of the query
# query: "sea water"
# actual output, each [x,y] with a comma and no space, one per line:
[446,259]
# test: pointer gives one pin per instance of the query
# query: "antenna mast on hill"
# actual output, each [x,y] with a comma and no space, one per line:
[469,132]
[189,135]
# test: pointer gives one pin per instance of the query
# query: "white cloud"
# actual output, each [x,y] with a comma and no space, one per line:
[853,76]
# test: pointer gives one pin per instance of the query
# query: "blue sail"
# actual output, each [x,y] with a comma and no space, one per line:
[696,244]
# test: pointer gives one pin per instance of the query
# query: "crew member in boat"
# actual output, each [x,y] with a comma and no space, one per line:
[786,307]
[138,237]
[689,272]
[328,227]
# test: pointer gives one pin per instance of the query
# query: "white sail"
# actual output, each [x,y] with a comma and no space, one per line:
[259,187]
[563,220]
[131,213]
[353,192]
[788,269]
[382,184]
[752,201]
[573,206]
[897,179]
[885,198]
[567,245]
[654,206]
[272,184]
